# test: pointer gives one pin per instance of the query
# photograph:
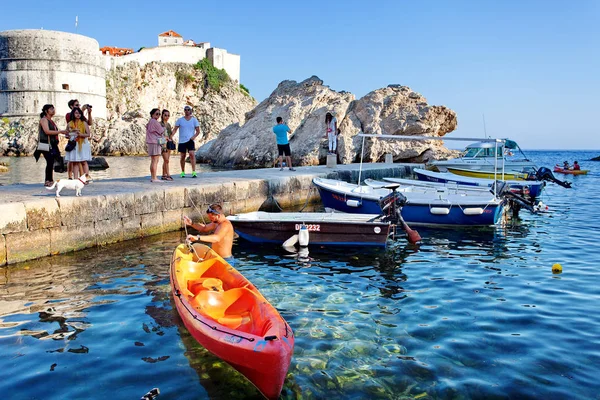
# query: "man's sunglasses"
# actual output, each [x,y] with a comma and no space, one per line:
[212,211]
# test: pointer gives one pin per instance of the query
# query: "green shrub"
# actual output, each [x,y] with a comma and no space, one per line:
[6,120]
[215,77]
[244,89]
[184,77]
[141,48]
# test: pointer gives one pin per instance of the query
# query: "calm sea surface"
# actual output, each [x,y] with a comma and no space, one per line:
[474,313]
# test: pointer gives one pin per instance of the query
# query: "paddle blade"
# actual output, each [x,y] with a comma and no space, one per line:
[291,242]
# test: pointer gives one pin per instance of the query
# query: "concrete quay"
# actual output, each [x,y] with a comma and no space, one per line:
[34,223]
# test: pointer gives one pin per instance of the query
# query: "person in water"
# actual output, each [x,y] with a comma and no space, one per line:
[221,229]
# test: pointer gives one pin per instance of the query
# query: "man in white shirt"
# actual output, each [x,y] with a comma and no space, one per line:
[189,129]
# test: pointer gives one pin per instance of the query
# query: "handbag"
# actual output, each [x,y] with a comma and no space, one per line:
[171,145]
[43,146]
[70,145]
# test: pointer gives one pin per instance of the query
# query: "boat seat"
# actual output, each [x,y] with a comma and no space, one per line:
[231,308]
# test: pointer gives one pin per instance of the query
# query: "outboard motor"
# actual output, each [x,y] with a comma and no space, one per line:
[392,203]
[515,201]
[544,174]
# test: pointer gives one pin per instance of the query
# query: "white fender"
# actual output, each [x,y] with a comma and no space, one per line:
[303,236]
[439,210]
[473,211]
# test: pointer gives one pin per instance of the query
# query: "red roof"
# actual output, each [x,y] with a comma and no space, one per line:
[171,33]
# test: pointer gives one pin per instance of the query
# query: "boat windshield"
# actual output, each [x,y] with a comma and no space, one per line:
[475,152]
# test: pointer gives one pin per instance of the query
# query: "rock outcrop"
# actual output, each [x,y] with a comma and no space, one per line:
[131,93]
[394,110]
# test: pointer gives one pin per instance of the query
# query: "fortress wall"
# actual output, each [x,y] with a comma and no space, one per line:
[38,67]
[182,54]
[220,58]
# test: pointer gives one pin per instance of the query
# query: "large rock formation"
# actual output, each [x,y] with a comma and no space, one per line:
[131,92]
[395,110]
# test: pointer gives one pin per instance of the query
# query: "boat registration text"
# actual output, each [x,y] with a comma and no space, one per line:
[310,227]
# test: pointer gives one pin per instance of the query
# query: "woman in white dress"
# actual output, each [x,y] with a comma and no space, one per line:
[331,130]
[79,130]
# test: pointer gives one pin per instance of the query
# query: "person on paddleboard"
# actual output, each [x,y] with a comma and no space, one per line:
[221,229]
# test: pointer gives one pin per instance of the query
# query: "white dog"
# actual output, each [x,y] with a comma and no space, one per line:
[73,184]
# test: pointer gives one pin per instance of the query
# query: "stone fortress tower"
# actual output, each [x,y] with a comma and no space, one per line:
[38,67]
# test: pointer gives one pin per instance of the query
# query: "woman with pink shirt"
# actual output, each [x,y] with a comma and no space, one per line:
[154,132]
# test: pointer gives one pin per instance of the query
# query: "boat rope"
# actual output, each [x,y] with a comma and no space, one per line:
[193,314]
[312,187]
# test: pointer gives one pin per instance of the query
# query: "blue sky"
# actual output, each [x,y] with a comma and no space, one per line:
[531,67]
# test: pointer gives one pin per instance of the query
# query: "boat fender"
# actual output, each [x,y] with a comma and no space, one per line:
[303,236]
[439,210]
[272,337]
[353,203]
[473,211]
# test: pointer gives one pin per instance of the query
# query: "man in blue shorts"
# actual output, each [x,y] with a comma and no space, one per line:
[281,131]
[189,129]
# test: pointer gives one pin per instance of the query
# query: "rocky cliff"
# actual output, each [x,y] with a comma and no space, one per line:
[131,93]
[394,110]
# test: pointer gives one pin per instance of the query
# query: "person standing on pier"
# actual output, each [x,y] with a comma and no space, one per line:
[74,103]
[222,232]
[168,145]
[189,130]
[331,131]
[154,131]
[48,133]
[281,131]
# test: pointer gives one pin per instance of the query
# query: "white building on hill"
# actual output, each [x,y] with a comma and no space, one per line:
[170,38]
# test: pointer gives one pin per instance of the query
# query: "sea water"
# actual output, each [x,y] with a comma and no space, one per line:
[468,313]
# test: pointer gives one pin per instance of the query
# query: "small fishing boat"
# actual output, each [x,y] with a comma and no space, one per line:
[487,156]
[227,315]
[327,229]
[531,188]
[571,171]
[423,206]
[507,175]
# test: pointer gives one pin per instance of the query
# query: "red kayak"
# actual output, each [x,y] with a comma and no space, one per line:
[227,315]
[571,171]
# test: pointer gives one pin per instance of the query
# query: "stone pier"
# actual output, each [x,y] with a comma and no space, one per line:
[34,223]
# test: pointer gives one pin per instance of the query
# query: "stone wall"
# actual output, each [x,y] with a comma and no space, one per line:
[41,227]
[179,54]
[40,67]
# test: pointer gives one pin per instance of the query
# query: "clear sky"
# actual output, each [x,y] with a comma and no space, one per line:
[530,67]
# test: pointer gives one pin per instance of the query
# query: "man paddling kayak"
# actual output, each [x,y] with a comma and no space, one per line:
[222,232]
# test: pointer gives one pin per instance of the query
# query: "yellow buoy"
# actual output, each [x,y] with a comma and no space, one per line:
[557,268]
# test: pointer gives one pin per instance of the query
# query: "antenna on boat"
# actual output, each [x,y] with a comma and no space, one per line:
[484,130]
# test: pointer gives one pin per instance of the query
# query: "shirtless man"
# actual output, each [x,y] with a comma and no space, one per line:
[222,236]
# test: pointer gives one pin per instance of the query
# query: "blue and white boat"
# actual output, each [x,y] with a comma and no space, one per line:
[423,206]
[531,188]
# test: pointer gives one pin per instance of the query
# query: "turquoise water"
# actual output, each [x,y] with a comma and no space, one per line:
[473,313]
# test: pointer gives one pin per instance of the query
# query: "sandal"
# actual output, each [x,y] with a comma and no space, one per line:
[163,178]
[168,178]
[49,183]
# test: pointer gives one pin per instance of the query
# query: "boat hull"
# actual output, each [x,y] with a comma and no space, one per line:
[321,231]
[532,188]
[571,171]
[432,213]
[260,347]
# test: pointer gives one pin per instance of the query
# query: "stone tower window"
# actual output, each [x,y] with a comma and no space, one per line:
[65,86]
